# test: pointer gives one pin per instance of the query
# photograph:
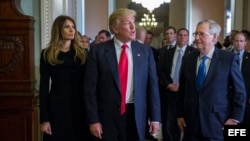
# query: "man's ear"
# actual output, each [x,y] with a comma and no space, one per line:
[215,37]
[115,29]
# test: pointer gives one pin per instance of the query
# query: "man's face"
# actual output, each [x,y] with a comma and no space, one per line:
[102,37]
[125,30]
[182,38]
[170,35]
[149,39]
[239,42]
[204,40]
[164,42]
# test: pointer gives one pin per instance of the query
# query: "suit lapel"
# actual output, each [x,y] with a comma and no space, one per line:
[135,54]
[193,61]
[213,66]
[110,55]
[169,59]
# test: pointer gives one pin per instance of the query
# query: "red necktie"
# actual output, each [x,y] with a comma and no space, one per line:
[123,72]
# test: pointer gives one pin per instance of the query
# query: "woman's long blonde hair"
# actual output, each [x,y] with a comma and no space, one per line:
[56,41]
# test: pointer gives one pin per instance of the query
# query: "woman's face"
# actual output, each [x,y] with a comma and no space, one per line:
[68,30]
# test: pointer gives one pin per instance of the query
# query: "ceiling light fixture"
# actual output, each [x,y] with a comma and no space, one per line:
[148,21]
[151,4]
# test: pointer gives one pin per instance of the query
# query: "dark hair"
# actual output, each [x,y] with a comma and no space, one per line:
[104,31]
[246,33]
[226,42]
[180,29]
[170,27]
[150,32]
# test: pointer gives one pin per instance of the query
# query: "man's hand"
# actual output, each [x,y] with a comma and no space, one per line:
[96,130]
[154,128]
[173,87]
[231,122]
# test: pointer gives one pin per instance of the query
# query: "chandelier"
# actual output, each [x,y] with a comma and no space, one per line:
[148,21]
[151,4]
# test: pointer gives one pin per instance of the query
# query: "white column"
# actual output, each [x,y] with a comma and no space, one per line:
[50,9]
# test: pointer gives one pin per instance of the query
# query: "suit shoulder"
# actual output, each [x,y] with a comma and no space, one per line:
[246,53]
[225,53]
[140,45]
[190,48]
[103,45]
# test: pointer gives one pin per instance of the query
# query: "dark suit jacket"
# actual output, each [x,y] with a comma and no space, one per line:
[161,56]
[206,111]
[246,72]
[246,75]
[165,66]
[102,85]
[155,53]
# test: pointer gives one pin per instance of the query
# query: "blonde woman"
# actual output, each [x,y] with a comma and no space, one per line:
[62,62]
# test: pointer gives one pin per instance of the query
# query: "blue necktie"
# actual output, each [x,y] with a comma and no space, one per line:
[238,59]
[177,67]
[201,73]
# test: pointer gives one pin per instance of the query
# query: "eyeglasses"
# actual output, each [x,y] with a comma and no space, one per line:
[201,34]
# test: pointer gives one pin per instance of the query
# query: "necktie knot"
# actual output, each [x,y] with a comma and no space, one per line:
[204,58]
[124,46]
[238,54]
[180,51]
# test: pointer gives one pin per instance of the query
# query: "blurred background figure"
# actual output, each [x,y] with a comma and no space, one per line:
[95,42]
[85,42]
[164,42]
[231,39]
[141,34]
[148,41]
[226,43]
[240,42]
[103,36]
[247,33]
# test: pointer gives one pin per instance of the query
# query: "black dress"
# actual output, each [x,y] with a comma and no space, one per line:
[62,105]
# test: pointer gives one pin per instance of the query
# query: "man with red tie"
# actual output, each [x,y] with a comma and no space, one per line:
[121,83]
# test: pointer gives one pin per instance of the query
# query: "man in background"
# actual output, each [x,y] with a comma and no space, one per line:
[148,41]
[169,70]
[240,43]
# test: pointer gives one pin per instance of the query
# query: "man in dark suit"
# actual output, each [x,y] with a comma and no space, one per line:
[204,104]
[170,36]
[168,75]
[148,41]
[104,84]
[240,42]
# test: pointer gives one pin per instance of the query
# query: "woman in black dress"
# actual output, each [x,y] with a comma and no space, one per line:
[61,83]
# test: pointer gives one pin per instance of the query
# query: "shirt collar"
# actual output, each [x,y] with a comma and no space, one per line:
[118,43]
[241,52]
[182,48]
[209,55]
